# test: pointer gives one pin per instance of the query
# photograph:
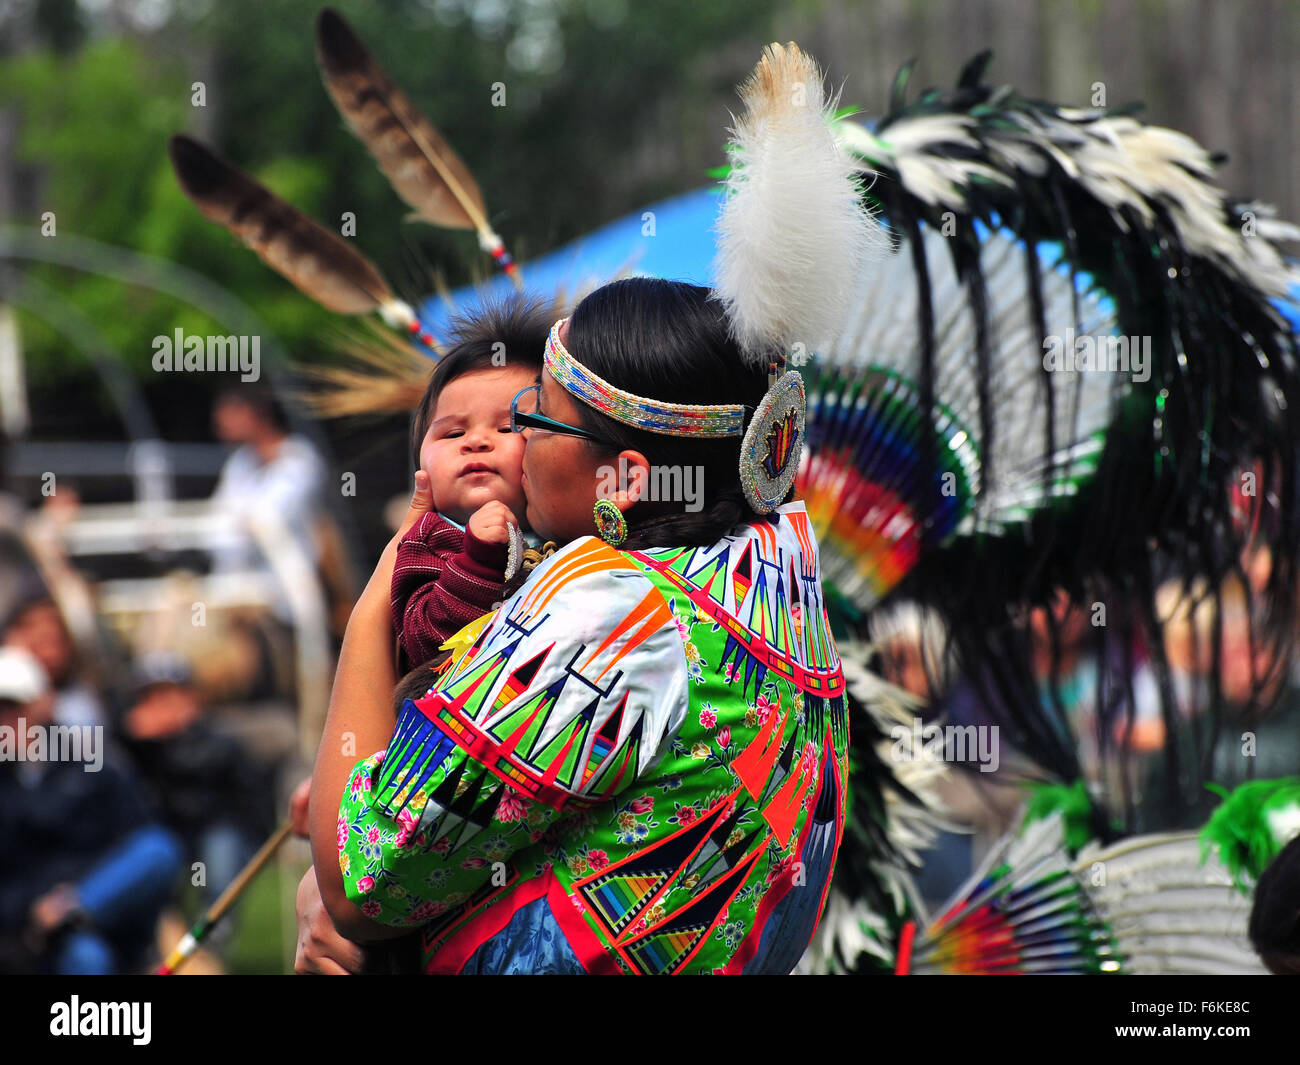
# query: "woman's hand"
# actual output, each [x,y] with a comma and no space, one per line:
[421,503]
[298,806]
[321,950]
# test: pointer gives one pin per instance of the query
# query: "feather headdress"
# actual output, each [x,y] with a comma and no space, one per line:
[792,236]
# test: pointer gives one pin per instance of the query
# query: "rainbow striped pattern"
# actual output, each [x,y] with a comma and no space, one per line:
[863,482]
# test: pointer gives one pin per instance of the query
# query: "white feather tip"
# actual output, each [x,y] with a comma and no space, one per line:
[793,235]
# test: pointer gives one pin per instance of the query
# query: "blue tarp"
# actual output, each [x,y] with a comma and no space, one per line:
[673,239]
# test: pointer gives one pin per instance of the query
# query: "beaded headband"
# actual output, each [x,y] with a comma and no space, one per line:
[653,415]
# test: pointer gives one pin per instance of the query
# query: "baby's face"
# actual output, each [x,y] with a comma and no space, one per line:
[469,452]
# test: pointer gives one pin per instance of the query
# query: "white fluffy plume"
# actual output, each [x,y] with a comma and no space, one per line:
[793,234]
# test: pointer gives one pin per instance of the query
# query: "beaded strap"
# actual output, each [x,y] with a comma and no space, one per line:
[653,415]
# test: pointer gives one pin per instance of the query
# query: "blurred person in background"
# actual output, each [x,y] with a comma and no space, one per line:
[271,472]
[209,790]
[36,624]
[86,867]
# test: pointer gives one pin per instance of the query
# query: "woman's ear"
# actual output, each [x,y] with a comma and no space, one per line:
[633,479]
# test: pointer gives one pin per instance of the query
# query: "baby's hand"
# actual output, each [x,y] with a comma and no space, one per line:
[490,522]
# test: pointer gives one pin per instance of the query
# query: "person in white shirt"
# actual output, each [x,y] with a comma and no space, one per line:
[271,473]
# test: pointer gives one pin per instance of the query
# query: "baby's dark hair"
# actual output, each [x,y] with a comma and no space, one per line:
[1275,915]
[417,682]
[511,332]
[669,340]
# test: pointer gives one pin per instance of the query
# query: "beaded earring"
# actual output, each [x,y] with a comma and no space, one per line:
[611,526]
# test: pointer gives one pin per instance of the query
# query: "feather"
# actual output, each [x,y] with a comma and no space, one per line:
[792,234]
[319,263]
[1169,910]
[415,157]
[386,376]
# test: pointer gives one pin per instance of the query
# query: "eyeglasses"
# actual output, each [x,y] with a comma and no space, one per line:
[523,415]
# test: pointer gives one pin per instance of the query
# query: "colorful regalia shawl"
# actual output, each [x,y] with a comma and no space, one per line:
[639,766]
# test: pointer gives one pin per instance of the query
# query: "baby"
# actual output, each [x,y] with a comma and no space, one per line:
[451,564]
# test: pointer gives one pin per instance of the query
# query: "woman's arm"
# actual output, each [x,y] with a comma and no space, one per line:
[360,722]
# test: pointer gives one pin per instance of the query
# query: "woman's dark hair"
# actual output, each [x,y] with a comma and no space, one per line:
[669,340]
[1275,916]
[509,333]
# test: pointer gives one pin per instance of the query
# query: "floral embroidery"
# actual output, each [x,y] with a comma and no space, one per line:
[779,869]
[513,806]
[633,833]
[708,716]
[427,911]
[731,933]
[497,848]
[407,828]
